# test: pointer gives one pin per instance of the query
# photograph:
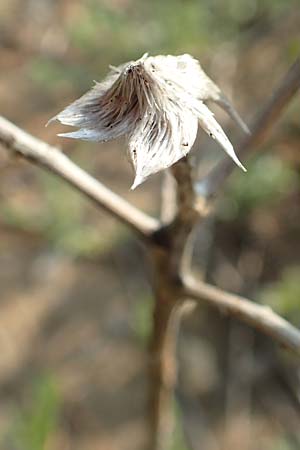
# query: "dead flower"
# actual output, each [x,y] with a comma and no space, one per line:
[157,102]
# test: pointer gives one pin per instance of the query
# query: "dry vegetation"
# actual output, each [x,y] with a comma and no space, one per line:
[75,303]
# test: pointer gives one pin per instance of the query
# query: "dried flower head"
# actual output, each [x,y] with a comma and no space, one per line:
[157,102]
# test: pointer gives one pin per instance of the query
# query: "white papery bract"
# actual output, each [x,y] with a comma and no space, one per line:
[157,102]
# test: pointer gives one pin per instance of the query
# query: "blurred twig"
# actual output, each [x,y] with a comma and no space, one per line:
[258,316]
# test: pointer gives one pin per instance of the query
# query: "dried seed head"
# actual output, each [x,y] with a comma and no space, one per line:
[157,102]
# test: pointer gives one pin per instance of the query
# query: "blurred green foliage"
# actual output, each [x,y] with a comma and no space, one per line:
[55,75]
[286,443]
[267,181]
[179,441]
[142,318]
[108,33]
[62,220]
[38,419]
[168,26]
[65,225]
[284,295]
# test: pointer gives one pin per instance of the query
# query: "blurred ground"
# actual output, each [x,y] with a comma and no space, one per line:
[74,298]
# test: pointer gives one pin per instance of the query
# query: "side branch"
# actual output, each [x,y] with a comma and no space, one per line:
[210,185]
[46,156]
[259,316]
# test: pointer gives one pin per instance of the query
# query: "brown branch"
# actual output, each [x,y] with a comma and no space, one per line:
[42,154]
[258,316]
[210,185]
[168,261]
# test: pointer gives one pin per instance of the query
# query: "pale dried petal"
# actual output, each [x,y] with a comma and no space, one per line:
[160,140]
[157,102]
[211,126]
[183,96]
[178,72]
[211,92]
[186,73]
[110,110]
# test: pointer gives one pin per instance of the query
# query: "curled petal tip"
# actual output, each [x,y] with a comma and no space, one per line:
[71,135]
[53,119]
[234,157]
[242,167]
[243,126]
[237,161]
[137,181]
[134,185]
[247,129]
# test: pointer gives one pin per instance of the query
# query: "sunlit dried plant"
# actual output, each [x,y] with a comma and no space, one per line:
[157,102]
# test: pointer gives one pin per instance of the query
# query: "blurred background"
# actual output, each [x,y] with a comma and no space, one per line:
[75,301]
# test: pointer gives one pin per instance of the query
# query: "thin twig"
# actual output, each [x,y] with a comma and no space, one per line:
[290,84]
[51,158]
[258,316]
